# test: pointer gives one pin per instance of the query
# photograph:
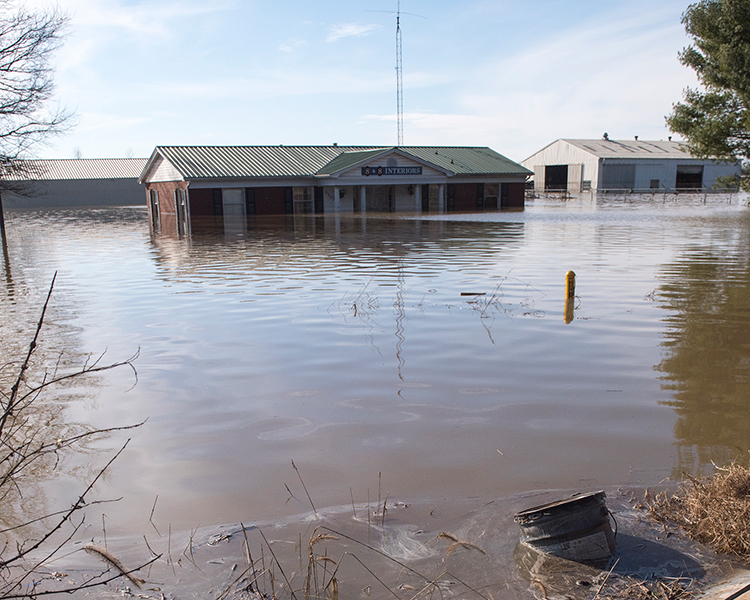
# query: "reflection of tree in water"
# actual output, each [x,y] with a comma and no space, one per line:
[42,421]
[42,418]
[707,355]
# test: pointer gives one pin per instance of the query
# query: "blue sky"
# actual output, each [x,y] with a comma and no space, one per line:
[511,75]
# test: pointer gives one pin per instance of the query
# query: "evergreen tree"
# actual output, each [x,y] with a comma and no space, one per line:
[715,121]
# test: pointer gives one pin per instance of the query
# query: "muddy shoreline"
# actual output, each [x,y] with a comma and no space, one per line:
[467,549]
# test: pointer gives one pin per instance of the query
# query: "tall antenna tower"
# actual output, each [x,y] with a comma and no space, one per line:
[399,72]
[399,80]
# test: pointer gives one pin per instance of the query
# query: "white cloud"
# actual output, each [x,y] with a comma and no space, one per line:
[98,122]
[337,32]
[143,19]
[291,46]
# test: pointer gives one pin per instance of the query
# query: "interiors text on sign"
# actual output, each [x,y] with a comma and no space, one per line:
[367,171]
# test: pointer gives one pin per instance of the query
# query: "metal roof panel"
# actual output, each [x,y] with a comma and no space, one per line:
[76,168]
[346,160]
[640,149]
[221,162]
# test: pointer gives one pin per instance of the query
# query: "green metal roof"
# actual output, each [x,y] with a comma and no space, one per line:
[464,160]
[227,162]
[347,160]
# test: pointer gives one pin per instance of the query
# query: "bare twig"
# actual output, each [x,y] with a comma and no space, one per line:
[151,516]
[9,407]
[276,560]
[66,516]
[304,487]
[605,579]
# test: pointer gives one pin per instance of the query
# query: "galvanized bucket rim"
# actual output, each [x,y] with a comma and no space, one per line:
[529,513]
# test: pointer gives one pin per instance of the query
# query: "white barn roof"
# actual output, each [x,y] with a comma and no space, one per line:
[602,148]
[77,168]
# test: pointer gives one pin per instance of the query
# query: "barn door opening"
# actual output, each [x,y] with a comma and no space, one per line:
[556,177]
[689,177]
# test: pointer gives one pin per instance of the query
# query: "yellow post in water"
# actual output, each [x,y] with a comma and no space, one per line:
[570,295]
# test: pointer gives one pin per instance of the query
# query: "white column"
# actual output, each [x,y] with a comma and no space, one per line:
[336,200]
[363,199]
[418,198]
[441,198]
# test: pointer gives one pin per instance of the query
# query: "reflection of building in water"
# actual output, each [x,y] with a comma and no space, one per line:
[229,183]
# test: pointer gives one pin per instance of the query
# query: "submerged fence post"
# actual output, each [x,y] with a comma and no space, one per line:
[570,294]
[2,219]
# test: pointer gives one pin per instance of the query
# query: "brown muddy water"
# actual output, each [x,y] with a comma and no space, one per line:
[351,347]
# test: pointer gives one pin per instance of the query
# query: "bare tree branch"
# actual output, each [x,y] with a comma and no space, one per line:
[28,443]
[28,39]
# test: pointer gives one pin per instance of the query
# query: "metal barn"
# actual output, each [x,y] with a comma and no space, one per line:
[614,165]
[73,182]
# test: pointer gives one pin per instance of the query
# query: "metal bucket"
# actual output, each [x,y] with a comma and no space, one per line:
[576,529]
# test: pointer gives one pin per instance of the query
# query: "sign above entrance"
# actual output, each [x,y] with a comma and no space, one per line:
[367,171]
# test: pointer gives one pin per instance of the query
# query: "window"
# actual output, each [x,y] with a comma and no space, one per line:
[491,194]
[303,198]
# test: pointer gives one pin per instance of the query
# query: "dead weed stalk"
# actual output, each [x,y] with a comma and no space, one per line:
[320,577]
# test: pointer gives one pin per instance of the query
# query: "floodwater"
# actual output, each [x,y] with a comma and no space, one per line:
[362,351]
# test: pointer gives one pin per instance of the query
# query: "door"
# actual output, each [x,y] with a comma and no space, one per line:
[233,206]
[153,198]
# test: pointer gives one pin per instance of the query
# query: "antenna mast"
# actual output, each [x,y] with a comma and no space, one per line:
[399,80]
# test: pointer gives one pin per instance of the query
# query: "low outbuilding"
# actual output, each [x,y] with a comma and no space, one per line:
[615,165]
[53,183]
[189,182]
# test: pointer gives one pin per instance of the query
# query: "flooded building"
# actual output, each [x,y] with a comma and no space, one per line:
[54,183]
[614,165]
[183,182]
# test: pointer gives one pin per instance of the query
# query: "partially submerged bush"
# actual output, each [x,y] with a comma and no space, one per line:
[714,510]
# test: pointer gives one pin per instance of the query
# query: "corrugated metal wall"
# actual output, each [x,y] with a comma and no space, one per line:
[618,176]
[86,192]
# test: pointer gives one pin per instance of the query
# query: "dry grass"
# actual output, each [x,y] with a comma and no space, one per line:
[652,589]
[714,510]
